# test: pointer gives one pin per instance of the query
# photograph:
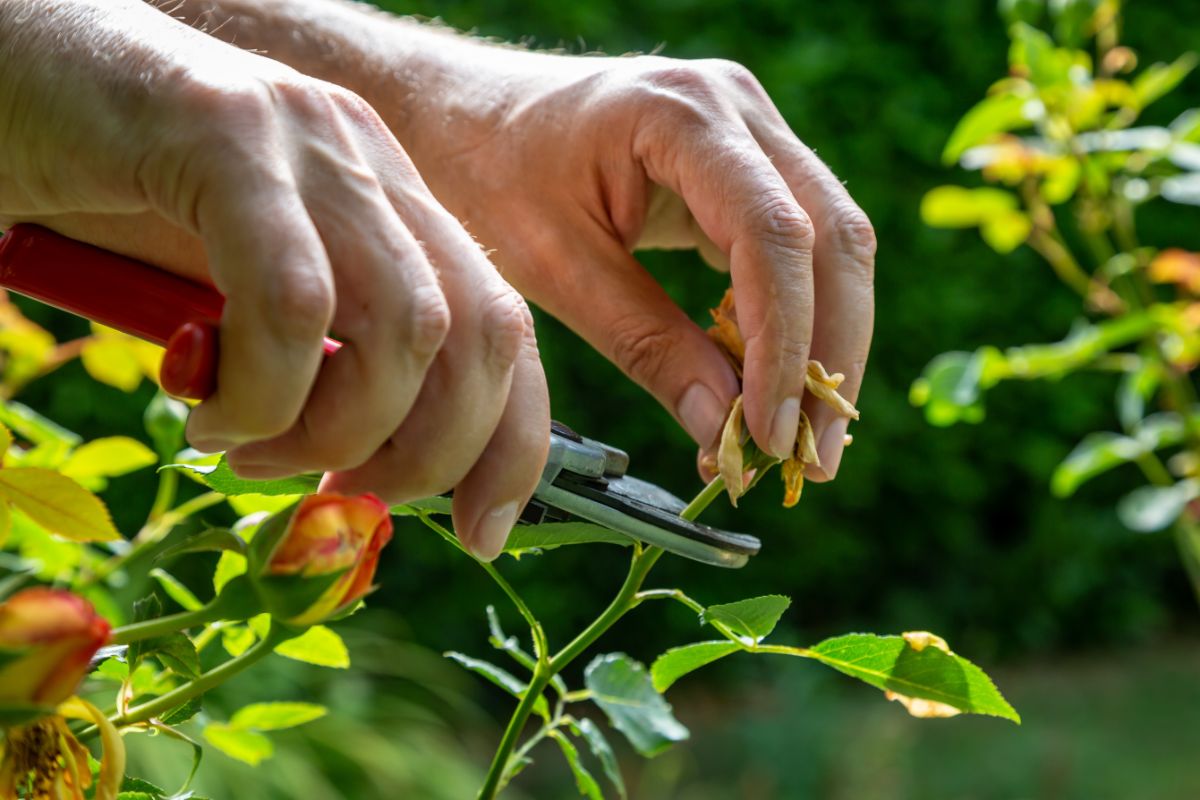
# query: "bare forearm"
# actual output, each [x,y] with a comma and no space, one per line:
[439,91]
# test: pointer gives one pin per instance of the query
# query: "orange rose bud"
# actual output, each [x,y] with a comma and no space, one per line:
[48,637]
[329,538]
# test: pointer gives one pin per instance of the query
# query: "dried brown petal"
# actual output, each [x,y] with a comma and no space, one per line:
[730,458]
[726,334]
[792,472]
[824,386]
[806,442]
[920,707]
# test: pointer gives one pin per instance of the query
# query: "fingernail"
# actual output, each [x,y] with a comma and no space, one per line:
[702,414]
[784,428]
[832,445]
[491,532]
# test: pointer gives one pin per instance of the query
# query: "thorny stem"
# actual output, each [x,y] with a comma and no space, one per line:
[628,597]
[160,626]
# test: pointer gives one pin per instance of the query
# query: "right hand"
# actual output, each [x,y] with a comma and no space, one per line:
[129,130]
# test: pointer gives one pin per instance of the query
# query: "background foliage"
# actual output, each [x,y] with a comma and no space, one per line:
[952,530]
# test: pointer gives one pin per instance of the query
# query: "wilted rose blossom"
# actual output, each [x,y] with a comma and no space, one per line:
[53,634]
[329,533]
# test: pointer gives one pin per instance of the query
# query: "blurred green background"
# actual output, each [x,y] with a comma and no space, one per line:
[1090,629]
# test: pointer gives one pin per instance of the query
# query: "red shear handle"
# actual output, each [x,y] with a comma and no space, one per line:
[125,294]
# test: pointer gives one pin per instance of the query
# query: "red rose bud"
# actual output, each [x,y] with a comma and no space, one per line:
[47,638]
[321,559]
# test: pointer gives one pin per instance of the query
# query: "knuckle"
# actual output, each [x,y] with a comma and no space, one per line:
[429,322]
[737,74]
[642,346]
[504,319]
[783,222]
[300,306]
[855,236]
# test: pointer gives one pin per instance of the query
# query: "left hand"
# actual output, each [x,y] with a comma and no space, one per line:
[564,165]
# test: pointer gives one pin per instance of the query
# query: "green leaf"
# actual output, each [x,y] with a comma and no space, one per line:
[1096,454]
[208,541]
[107,458]
[754,618]
[176,652]
[429,505]
[58,504]
[999,113]
[950,388]
[229,566]
[275,716]
[144,608]
[1136,389]
[1160,79]
[499,676]
[957,207]
[602,750]
[138,785]
[111,361]
[220,478]
[550,535]
[1186,127]
[583,779]
[891,663]
[1006,232]
[1184,189]
[679,661]
[318,645]
[237,639]
[1152,508]
[623,689]
[176,590]
[180,715]
[250,747]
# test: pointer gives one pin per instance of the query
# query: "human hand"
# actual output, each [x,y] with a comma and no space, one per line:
[565,165]
[310,216]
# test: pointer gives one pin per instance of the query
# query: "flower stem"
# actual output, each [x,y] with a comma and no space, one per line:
[626,599]
[160,626]
[209,680]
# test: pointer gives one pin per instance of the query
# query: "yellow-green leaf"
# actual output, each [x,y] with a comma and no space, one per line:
[108,457]
[958,207]
[1006,232]
[248,746]
[58,504]
[111,361]
[318,645]
[6,441]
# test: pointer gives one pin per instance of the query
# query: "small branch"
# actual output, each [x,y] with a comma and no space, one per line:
[160,626]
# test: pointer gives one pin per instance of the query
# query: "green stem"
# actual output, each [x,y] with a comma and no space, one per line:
[209,680]
[168,487]
[626,599]
[160,626]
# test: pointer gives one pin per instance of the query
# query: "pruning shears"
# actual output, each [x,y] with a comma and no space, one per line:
[583,479]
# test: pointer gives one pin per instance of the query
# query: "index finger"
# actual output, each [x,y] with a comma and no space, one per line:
[745,207]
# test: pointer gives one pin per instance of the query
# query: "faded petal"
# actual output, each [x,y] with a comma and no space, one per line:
[920,707]
[730,456]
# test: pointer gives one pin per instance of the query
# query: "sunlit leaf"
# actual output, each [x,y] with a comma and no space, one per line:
[6,441]
[58,504]
[958,207]
[275,716]
[679,661]
[1006,232]
[999,113]
[250,747]
[1159,79]
[318,645]
[753,618]
[229,566]
[1152,508]
[111,361]
[624,690]
[892,664]
[108,457]
[1096,454]
[1184,189]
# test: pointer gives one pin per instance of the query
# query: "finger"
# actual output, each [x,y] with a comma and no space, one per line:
[466,388]
[489,499]
[843,272]
[391,317]
[623,312]
[671,226]
[744,206]
[266,257]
